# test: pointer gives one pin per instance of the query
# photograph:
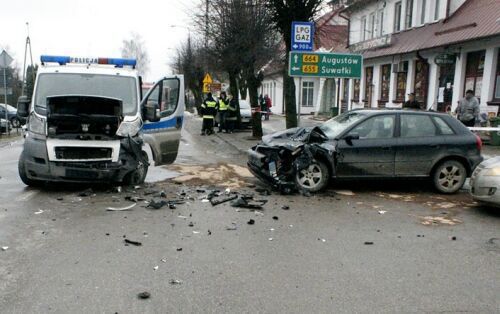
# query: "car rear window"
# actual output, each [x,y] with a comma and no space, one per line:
[413,125]
[444,128]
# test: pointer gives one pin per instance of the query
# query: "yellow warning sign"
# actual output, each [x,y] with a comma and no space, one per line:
[206,88]
[207,79]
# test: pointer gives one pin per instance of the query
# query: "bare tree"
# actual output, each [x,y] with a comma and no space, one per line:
[284,12]
[135,47]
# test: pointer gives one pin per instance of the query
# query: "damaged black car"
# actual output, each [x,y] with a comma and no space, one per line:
[373,144]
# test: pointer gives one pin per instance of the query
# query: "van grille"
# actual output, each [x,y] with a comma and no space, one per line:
[83,153]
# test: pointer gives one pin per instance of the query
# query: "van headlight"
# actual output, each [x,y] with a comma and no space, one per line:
[129,128]
[36,124]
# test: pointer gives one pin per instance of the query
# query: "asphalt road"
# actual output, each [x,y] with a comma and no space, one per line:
[67,254]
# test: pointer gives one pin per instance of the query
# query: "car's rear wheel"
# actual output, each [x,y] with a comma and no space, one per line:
[313,178]
[449,176]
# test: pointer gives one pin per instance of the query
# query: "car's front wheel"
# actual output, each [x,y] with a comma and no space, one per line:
[313,178]
[449,176]
[139,174]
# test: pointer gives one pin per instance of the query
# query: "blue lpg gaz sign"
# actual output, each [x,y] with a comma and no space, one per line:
[302,36]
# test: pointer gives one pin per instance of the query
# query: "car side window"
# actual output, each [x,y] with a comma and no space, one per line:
[413,125]
[375,127]
[169,97]
[444,128]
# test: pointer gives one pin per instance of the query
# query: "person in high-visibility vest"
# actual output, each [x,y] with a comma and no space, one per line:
[223,104]
[232,114]
[208,111]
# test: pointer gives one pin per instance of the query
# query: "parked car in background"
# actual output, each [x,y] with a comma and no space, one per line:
[485,182]
[4,125]
[11,115]
[370,144]
[245,112]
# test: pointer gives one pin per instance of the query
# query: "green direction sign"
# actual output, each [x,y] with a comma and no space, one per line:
[329,65]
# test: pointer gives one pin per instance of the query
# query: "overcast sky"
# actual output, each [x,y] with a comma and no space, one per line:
[95,28]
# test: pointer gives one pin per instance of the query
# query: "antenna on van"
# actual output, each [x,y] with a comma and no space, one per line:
[26,47]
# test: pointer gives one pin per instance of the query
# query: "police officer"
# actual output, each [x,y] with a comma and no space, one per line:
[208,111]
[232,114]
[223,106]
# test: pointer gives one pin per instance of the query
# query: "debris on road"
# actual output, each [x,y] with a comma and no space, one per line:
[232,227]
[251,222]
[179,249]
[381,212]
[175,282]
[220,200]
[157,203]
[114,209]
[156,267]
[38,212]
[190,224]
[284,207]
[275,217]
[5,248]
[86,193]
[134,199]
[136,243]
[344,192]
[368,243]
[247,201]
[322,240]
[453,238]
[144,295]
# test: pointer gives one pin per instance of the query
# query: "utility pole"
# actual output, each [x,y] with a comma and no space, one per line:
[5,61]
[26,46]
[206,35]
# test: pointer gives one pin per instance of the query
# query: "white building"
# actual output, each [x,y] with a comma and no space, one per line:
[314,95]
[437,49]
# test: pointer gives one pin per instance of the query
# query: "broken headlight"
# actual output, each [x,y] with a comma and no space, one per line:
[36,124]
[129,128]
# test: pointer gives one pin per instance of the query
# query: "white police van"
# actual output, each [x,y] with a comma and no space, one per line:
[89,122]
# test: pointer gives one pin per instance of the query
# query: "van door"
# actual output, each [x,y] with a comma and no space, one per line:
[163,135]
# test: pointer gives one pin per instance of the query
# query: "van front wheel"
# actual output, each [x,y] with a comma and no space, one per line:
[138,175]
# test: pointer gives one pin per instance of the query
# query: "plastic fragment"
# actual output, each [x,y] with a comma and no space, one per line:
[113,209]
[136,243]
[144,295]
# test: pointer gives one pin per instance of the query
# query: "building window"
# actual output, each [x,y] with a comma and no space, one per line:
[385,81]
[436,9]
[397,16]
[496,95]
[409,13]
[307,94]
[421,81]
[380,23]
[363,28]
[355,90]
[401,79]
[422,11]
[474,72]
[368,86]
[371,32]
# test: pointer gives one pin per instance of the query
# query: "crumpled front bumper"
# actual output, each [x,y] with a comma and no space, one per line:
[259,167]
[485,189]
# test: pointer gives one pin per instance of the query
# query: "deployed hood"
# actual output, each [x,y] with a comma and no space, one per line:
[295,137]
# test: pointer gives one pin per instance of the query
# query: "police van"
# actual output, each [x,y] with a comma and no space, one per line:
[88,121]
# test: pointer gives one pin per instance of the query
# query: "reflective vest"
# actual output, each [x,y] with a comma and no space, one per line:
[222,105]
[209,109]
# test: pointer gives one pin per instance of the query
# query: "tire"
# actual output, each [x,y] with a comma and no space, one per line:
[138,175]
[314,178]
[15,123]
[449,176]
[21,167]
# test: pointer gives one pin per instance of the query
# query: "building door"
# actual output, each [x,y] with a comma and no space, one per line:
[328,96]
[368,87]
[445,90]
[421,81]
[345,95]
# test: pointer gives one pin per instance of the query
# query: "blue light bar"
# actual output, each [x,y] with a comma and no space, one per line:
[62,60]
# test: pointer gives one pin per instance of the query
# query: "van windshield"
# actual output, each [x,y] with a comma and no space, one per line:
[112,86]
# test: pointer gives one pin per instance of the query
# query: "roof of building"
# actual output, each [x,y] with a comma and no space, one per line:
[475,19]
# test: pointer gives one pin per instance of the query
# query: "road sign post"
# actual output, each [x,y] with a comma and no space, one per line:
[302,36]
[326,65]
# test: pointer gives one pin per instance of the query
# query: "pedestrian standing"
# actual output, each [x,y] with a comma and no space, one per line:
[411,103]
[268,106]
[232,113]
[468,109]
[262,104]
[222,109]
[208,111]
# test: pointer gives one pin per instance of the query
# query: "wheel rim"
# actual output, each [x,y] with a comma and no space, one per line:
[310,177]
[450,177]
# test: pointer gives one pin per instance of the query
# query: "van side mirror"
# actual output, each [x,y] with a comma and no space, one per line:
[23,107]
[151,112]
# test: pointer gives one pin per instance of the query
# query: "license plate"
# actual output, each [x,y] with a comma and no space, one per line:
[272,169]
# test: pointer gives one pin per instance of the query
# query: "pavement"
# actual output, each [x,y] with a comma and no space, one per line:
[363,247]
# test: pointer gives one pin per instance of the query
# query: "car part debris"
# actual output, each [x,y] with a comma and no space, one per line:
[275,217]
[157,203]
[231,228]
[136,243]
[191,224]
[251,222]
[155,268]
[144,295]
[175,282]
[217,201]
[5,248]
[179,249]
[134,199]
[381,212]
[368,243]
[86,193]
[209,232]
[196,232]
[164,260]
[321,239]
[38,212]
[270,239]
[248,202]
[113,209]
[453,238]
[285,207]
